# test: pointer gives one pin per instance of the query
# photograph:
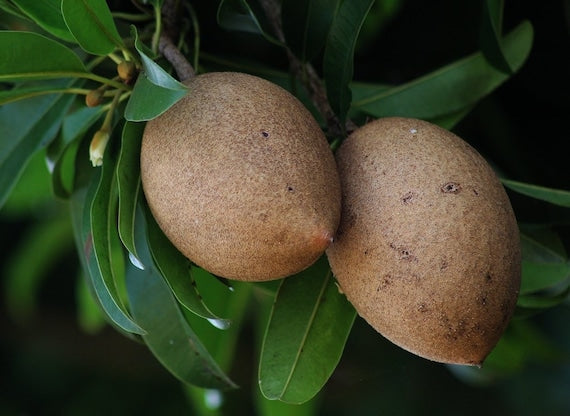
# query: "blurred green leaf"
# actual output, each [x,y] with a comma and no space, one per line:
[239,15]
[542,267]
[28,55]
[149,100]
[26,127]
[92,25]
[8,7]
[491,33]
[98,224]
[47,14]
[129,183]
[553,196]
[306,24]
[338,65]
[89,315]
[452,88]
[169,337]
[177,272]
[301,347]
[16,94]
[543,301]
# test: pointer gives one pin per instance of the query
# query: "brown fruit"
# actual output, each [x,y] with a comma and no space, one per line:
[428,246]
[240,178]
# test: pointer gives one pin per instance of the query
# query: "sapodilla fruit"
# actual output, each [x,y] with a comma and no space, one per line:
[240,178]
[428,247]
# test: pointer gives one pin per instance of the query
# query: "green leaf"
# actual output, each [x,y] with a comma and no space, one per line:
[452,88]
[8,7]
[177,272]
[490,35]
[89,316]
[306,25]
[96,245]
[542,267]
[28,55]
[553,196]
[129,183]
[148,100]
[21,93]
[338,65]
[301,347]
[26,127]
[92,25]
[169,336]
[238,15]
[543,301]
[47,15]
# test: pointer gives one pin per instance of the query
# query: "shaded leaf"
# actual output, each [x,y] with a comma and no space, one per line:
[149,100]
[92,25]
[129,183]
[47,14]
[301,347]
[452,88]
[8,7]
[306,25]
[89,316]
[28,55]
[16,94]
[491,33]
[554,196]
[239,15]
[338,65]
[169,336]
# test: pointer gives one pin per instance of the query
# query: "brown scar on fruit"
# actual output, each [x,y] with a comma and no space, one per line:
[451,188]
[403,252]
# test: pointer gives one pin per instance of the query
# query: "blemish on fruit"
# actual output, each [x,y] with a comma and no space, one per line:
[413,131]
[290,188]
[403,252]
[408,198]
[451,188]
[422,307]
[475,192]
[264,134]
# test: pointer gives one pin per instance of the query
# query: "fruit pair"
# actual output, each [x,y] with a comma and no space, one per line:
[241,179]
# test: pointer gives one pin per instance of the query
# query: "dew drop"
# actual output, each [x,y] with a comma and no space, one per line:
[136,262]
[213,399]
[220,323]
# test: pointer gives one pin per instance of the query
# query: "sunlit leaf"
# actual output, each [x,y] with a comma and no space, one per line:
[554,196]
[28,55]
[491,33]
[92,25]
[338,65]
[47,14]
[169,337]
[301,347]
[452,88]
[238,15]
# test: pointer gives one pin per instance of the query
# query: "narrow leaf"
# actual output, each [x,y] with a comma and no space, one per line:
[47,14]
[452,88]
[92,25]
[149,100]
[554,196]
[28,55]
[169,336]
[238,15]
[176,270]
[306,25]
[490,35]
[96,242]
[302,347]
[129,183]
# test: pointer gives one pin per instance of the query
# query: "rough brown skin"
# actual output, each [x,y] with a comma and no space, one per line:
[428,246]
[241,179]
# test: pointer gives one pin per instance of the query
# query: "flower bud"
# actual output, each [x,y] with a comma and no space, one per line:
[94,98]
[127,71]
[97,147]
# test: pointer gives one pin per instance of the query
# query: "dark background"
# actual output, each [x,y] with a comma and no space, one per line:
[49,366]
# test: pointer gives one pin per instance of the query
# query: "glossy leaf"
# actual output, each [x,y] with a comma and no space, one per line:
[451,88]
[129,183]
[554,196]
[177,272]
[26,127]
[491,33]
[301,347]
[28,55]
[306,25]
[542,267]
[238,15]
[169,337]
[46,14]
[92,25]
[338,65]
[149,100]
[96,245]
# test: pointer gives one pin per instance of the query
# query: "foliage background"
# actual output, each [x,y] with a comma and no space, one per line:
[52,365]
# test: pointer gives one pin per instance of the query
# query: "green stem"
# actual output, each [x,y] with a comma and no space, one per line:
[196,28]
[132,17]
[157,29]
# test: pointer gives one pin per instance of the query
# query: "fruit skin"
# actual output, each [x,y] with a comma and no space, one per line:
[428,247]
[241,179]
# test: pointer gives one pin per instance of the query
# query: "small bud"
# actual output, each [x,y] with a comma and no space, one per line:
[97,147]
[127,71]
[94,98]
